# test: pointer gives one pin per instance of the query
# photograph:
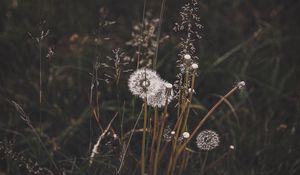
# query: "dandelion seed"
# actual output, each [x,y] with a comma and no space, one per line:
[207,140]
[144,82]
[162,96]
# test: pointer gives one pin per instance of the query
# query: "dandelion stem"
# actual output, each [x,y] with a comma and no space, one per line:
[154,137]
[144,138]
[204,163]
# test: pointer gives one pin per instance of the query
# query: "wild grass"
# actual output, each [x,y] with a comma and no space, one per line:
[67,107]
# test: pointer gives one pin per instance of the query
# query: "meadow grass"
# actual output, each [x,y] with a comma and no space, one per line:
[67,107]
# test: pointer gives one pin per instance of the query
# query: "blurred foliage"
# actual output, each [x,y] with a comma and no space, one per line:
[255,41]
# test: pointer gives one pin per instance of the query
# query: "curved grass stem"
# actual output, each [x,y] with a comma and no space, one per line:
[200,124]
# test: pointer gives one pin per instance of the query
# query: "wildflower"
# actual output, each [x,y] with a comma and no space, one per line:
[163,95]
[207,140]
[144,82]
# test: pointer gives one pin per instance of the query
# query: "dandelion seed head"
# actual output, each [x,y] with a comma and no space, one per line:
[207,140]
[173,132]
[231,147]
[144,82]
[161,96]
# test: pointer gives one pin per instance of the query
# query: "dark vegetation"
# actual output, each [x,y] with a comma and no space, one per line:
[53,127]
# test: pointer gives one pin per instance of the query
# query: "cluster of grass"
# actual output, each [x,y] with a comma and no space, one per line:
[64,72]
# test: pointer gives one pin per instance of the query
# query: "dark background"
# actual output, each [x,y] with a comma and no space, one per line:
[255,41]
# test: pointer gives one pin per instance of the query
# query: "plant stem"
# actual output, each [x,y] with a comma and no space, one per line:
[208,114]
[144,138]
[189,101]
[156,159]
[154,137]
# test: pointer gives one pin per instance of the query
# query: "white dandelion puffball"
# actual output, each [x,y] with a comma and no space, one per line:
[207,140]
[144,82]
[161,96]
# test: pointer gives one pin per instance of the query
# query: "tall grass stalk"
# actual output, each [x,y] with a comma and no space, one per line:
[160,135]
[159,32]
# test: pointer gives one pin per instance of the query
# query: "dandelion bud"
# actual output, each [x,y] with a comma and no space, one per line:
[168,85]
[241,84]
[187,57]
[185,135]
[195,66]
[190,90]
